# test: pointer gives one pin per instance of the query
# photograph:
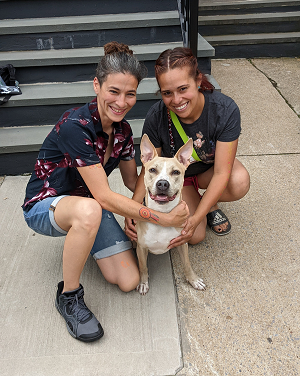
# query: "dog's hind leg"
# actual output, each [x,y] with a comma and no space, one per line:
[142,254]
[189,273]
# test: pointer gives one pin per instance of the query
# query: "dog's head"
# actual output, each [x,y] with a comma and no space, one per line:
[164,176]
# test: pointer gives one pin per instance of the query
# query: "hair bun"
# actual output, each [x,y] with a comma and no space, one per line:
[115,47]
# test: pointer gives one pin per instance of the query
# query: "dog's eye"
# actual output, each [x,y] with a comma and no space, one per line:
[152,170]
[175,172]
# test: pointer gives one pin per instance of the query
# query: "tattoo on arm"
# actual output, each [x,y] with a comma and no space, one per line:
[147,214]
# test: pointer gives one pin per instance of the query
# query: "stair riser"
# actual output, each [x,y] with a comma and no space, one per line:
[83,72]
[43,115]
[250,28]
[247,10]
[17,163]
[22,163]
[258,50]
[86,39]
[63,8]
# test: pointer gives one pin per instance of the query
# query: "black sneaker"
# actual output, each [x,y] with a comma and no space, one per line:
[81,323]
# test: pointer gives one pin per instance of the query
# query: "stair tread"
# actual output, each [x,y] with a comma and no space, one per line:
[247,18]
[254,37]
[30,138]
[106,21]
[91,55]
[70,92]
[210,4]
[73,92]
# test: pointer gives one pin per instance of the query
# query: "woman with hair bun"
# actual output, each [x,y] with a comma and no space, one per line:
[68,193]
[190,108]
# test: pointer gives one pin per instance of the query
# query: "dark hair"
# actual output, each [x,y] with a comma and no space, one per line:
[180,57]
[119,58]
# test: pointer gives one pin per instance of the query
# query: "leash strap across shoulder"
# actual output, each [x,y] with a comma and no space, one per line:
[182,133]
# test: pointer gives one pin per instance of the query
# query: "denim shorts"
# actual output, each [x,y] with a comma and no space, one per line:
[110,238]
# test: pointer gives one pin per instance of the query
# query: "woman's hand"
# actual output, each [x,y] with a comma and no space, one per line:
[130,229]
[186,233]
[178,216]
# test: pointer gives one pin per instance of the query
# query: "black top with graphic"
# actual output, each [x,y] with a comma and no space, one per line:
[219,121]
[76,140]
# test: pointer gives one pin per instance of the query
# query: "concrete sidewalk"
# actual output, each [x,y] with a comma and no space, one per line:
[246,322]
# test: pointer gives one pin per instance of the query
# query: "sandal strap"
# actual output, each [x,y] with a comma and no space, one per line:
[216,217]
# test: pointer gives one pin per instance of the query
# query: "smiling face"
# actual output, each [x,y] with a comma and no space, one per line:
[180,93]
[115,97]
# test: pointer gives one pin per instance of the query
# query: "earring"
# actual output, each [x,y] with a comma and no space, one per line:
[199,87]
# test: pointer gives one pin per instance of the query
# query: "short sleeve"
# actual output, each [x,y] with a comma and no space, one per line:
[232,124]
[76,143]
[128,152]
[150,128]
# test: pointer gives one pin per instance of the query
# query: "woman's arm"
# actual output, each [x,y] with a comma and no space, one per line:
[129,173]
[96,180]
[138,196]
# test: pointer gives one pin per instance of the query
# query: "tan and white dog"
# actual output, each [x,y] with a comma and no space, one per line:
[163,182]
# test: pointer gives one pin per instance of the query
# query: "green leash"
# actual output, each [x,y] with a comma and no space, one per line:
[182,133]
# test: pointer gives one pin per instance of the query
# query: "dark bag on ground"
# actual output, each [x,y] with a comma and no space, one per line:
[8,84]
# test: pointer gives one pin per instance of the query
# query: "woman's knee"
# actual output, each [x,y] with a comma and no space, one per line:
[199,234]
[121,270]
[197,238]
[130,282]
[239,183]
[89,214]
[126,282]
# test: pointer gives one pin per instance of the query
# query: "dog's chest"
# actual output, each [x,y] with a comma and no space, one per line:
[157,238]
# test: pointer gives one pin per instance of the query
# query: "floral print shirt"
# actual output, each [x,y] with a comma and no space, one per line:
[76,140]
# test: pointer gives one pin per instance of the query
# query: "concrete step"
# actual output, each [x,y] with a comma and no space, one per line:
[256,45]
[44,104]
[251,28]
[12,9]
[213,7]
[90,22]
[69,65]
[69,93]
[219,40]
[30,138]
[249,23]
[89,31]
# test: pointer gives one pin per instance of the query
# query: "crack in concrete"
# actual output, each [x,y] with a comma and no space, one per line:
[275,85]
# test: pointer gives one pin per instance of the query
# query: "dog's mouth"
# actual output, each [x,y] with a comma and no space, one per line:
[162,198]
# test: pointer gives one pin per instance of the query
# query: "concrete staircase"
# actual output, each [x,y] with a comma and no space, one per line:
[251,28]
[55,47]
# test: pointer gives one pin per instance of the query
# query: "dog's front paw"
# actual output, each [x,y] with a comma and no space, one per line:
[143,288]
[198,284]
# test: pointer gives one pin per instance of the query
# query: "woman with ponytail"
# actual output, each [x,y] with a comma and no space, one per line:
[68,193]
[191,108]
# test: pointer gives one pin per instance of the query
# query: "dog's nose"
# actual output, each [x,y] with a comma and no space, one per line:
[162,185]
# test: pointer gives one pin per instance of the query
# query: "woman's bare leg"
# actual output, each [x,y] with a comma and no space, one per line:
[192,198]
[121,269]
[238,186]
[81,217]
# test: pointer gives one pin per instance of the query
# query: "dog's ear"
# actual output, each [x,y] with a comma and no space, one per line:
[184,153]
[148,151]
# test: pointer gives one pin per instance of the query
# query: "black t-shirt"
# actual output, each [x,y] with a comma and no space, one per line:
[219,121]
